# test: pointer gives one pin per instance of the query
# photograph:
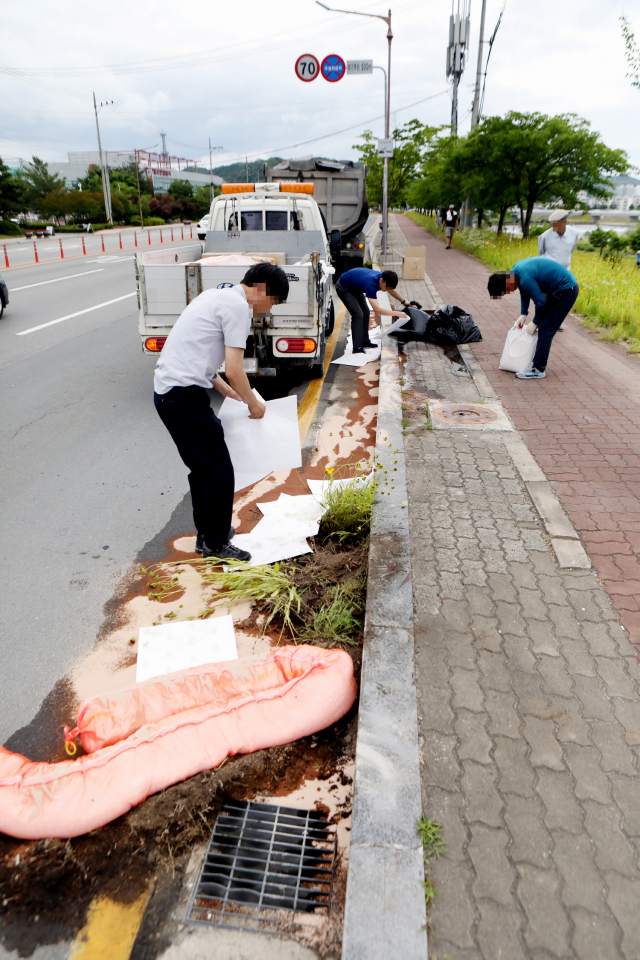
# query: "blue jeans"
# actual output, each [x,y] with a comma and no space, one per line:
[199,437]
[558,306]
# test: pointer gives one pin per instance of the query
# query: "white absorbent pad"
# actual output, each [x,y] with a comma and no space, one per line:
[190,643]
[258,447]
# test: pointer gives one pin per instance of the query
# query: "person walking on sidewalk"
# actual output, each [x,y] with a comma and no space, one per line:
[553,289]
[559,242]
[358,289]
[213,329]
[449,224]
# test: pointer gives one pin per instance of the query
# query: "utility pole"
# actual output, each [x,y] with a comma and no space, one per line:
[106,186]
[211,167]
[456,54]
[467,220]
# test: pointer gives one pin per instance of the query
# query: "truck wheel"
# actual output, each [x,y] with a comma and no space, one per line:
[331,321]
[316,371]
[1,307]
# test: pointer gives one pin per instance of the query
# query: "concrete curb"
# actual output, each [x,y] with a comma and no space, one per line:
[385,914]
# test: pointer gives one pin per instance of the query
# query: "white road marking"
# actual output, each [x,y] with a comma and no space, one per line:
[78,314]
[56,280]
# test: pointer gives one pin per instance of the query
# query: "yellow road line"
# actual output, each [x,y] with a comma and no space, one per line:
[110,930]
[309,403]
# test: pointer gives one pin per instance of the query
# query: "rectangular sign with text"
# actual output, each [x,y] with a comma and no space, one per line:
[359,66]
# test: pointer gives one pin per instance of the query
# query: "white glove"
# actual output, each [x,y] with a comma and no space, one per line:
[522,319]
[531,328]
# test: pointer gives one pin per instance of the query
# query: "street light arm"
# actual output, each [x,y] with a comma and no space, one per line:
[358,13]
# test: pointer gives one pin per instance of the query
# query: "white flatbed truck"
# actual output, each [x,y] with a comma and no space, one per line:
[279,222]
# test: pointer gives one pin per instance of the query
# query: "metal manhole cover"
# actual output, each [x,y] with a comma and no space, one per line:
[264,863]
[465,414]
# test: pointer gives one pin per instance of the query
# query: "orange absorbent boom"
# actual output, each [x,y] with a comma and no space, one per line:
[154,734]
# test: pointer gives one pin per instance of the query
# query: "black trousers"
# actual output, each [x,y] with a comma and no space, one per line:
[356,304]
[199,437]
[558,307]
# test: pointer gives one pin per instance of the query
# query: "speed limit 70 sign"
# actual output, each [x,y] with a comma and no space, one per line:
[307,67]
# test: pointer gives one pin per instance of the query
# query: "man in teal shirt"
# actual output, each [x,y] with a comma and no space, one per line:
[553,289]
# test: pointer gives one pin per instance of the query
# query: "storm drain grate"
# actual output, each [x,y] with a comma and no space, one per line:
[263,864]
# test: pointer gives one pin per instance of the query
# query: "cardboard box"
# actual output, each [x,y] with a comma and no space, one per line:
[414,263]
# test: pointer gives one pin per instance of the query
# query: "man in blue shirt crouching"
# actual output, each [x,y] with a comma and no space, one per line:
[553,289]
[355,288]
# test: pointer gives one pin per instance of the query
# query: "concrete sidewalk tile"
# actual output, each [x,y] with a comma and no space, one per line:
[548,927]
[528,687]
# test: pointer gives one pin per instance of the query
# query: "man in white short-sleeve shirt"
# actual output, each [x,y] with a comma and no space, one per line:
[213,329]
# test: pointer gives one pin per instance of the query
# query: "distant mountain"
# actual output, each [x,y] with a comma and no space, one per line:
[237,172]
[620,181]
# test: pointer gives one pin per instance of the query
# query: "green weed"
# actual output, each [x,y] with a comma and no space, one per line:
[338,619]
[272,584]
[430,833]
[349,507]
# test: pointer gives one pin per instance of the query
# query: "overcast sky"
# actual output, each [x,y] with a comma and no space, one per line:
[211,68]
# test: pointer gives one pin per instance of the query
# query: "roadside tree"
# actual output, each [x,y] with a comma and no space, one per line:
[40,183]
[13,194]
[534,158]
[632,52]
[411,141]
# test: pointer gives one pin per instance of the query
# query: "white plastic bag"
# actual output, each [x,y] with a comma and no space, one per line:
[519,349]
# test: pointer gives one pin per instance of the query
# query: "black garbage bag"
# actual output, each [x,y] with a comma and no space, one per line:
[412,329]
[451,325]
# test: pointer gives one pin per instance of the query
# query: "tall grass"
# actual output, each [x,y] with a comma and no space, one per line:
[609,291]
[348,509]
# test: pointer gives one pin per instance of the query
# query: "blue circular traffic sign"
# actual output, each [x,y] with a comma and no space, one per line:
[333,68]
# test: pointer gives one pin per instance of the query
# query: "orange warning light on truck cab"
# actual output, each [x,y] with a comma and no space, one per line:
[238,188]
[294,186]
[286,186]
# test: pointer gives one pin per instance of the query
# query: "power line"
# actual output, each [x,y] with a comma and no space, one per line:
[302,143]
[182,60]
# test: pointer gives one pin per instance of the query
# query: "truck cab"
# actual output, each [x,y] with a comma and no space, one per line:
[278,222]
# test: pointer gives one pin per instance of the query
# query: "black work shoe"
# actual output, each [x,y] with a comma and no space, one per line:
[369,345]
[227,552]
[359,350]
[199,541]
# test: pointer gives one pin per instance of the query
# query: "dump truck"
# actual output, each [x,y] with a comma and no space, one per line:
[341,194]
[279,222]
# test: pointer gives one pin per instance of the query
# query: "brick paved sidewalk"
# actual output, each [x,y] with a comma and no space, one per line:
[528,702]
[582,422]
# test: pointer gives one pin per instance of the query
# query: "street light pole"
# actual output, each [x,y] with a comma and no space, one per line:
[105,182]
[385,175]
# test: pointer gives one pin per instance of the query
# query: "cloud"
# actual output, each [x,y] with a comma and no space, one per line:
[226,71]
